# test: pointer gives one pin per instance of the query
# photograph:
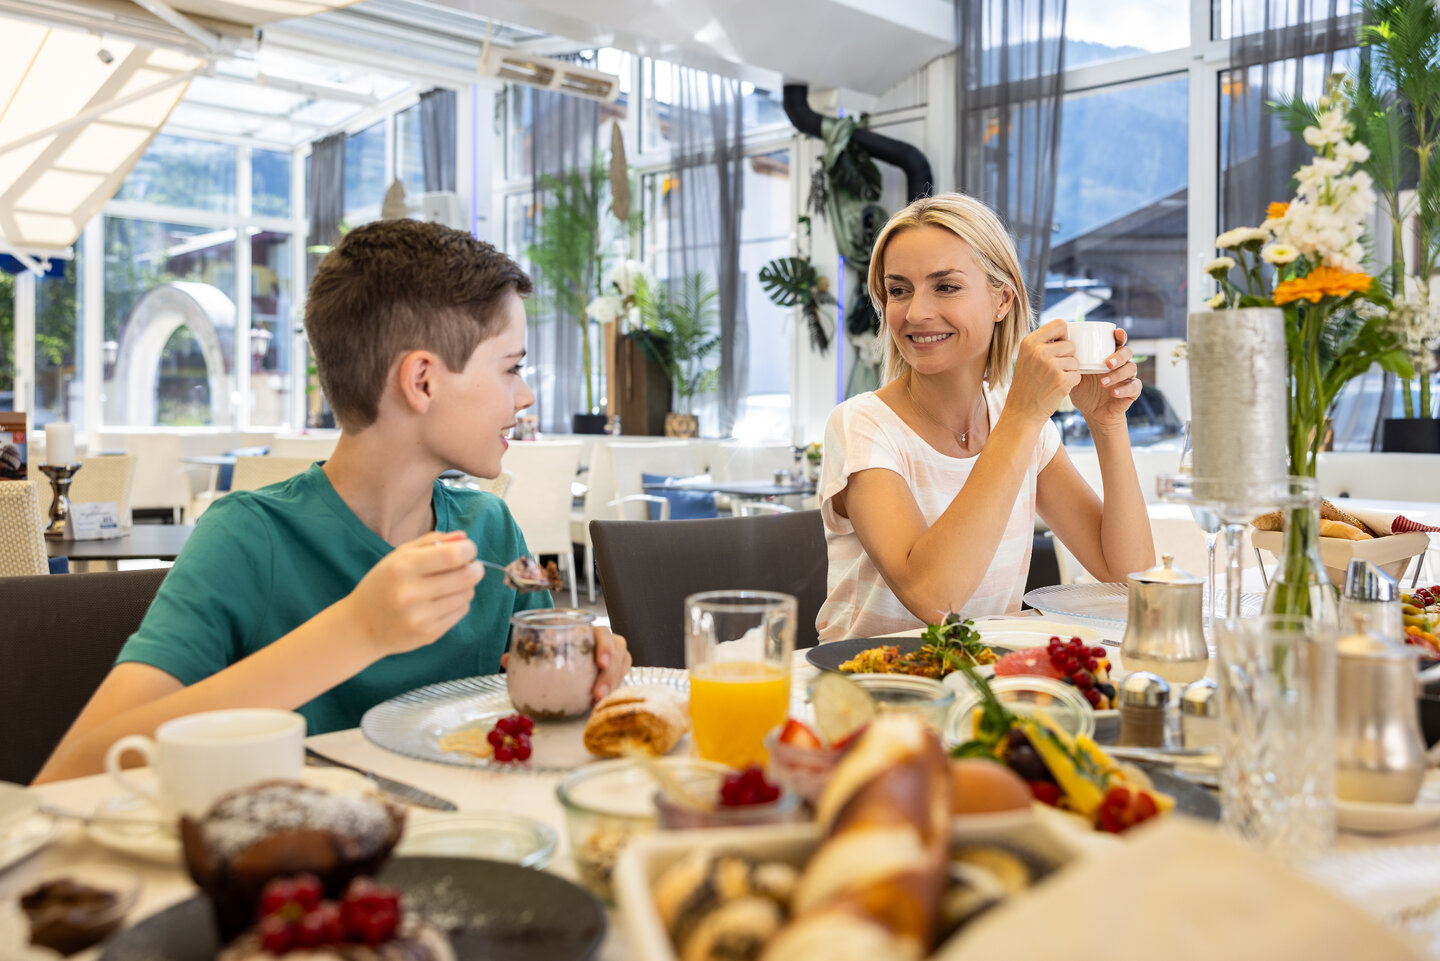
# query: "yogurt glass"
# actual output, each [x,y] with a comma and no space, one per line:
[551,669]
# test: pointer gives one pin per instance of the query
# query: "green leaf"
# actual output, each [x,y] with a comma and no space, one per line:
[787,280]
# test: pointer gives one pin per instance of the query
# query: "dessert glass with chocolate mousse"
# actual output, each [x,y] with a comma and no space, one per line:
[551,669]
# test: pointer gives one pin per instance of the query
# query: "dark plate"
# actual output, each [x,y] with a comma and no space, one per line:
[829,657]
[1190,798]
[489,909]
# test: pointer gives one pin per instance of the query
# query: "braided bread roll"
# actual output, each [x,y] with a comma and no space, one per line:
[872,888]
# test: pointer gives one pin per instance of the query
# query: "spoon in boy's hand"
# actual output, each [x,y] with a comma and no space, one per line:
[524,575]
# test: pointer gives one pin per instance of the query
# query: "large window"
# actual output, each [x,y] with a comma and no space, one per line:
[58,389]
[269,183]
[364,172]
[172,350]
[180,172]
[409,155]
[1100,31]
[272,328]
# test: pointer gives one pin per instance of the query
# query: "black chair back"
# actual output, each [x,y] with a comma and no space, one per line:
[648,568]
[58,640]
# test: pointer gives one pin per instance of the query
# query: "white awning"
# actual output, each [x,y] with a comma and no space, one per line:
[78,107]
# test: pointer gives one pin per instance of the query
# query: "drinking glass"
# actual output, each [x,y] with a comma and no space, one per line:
[1277,717]
[737,648]
[1209,521]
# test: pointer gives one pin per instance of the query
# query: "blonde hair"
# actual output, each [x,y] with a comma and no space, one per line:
[981,230]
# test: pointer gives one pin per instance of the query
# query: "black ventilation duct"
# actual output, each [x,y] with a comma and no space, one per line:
[919,181]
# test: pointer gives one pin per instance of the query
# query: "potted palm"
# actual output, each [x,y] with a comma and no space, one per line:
[569,257]
[681,319]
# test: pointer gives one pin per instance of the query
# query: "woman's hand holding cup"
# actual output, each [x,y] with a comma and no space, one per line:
[1046,371]
[1104,397]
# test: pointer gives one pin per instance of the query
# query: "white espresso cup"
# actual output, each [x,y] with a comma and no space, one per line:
[199,757]
[1094,340]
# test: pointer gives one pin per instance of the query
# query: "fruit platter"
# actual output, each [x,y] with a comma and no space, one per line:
[1420,610]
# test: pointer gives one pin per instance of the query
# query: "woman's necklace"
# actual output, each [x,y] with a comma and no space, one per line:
[961,436]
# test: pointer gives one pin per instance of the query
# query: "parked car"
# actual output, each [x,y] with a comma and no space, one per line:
[1152,421]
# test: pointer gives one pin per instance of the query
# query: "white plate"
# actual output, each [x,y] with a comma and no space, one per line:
[23,836]
[1364,817]
[161,844]
[413,723]
[1107,605]
[1020,632]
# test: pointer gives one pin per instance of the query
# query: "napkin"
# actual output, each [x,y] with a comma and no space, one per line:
[1387,522]
[1181,891]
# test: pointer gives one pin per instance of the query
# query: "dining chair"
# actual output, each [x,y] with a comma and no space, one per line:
[99,479]
[603,501]
[253,473]
[647,570]
[22,538]
[61,638]
[160,481]
[313,448]
[540,498]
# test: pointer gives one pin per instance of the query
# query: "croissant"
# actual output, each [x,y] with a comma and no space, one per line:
[873,886]
[648,719]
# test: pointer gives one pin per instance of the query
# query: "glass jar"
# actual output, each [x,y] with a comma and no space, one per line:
[551,670]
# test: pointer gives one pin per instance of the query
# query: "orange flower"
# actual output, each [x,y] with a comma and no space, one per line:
[1321,282]
[1275,211]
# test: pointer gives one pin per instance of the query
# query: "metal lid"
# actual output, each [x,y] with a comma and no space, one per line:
[1167,573]
[1143,689]
[1366,582]
[1201,699]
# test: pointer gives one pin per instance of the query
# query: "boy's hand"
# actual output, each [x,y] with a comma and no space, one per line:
[415,594]
[613,658]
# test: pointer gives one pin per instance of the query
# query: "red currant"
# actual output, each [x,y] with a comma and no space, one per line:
[277,894]
[504,754]
[307,891]
[522,748]
[276,934]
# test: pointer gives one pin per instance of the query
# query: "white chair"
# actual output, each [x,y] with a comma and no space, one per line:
[253,473]
[99,479]
[160,480]
[741,461]
[540,498]
[604,500]
[318,447]
[632,460]
[1378,476]
[22,539]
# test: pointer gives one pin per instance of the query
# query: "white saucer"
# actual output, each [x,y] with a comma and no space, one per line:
[161,844]
[1364,817]
[1021,632]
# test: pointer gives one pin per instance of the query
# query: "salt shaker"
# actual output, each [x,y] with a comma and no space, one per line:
[1143,699]
[1200,714]
[1372,592]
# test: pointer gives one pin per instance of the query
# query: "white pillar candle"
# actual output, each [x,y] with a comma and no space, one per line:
[59,444]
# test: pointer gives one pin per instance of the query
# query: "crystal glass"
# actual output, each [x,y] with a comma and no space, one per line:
[737,648]
[1277,774]
[1208,520]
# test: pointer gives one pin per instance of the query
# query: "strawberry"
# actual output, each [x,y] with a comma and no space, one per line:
[798,734]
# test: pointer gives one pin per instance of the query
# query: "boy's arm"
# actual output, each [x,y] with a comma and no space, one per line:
[409,599]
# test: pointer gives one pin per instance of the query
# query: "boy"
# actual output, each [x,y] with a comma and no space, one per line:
[356,580]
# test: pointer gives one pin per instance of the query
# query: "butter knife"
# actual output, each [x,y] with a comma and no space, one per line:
[408,793]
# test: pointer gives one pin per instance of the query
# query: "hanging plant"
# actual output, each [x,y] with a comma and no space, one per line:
[795,282]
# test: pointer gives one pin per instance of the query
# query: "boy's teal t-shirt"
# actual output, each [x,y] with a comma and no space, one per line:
[263,562]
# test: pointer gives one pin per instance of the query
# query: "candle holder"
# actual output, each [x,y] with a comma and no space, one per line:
[60,476]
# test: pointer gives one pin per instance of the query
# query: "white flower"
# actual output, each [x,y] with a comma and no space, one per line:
[606,309]
[1241,236]
[1279,254]
[1216,302]
[1220,266]
[1352,153]
[623,274]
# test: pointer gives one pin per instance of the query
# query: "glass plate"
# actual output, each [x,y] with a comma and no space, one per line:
[413,723]
[1108,604]
[493,835]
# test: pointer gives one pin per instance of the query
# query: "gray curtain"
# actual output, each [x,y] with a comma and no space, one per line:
[708,155]
[563,137]
[437,139]
[1009,98]
[325,191]
[1279,49]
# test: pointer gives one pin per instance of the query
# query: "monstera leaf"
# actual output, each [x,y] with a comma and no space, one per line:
[787,280]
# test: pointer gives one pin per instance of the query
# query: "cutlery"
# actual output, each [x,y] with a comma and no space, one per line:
[408,793]
[119,820]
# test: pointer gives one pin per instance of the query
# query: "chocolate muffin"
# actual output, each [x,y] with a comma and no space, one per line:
[278,829]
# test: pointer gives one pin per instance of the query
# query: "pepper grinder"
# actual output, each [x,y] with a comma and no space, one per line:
[1143,699]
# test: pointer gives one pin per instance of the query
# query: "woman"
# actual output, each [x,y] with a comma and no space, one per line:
[931,484]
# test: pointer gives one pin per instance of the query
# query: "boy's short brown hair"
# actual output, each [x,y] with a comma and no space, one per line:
[398,285]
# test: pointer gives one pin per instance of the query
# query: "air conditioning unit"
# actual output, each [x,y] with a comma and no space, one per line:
[441,207]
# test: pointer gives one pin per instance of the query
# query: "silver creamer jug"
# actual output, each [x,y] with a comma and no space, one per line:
[1379,752]
[1165,630]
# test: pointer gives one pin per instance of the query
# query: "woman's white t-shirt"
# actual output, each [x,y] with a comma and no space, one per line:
[863,434]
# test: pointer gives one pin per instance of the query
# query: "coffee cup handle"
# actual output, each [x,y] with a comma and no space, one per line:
[140,744]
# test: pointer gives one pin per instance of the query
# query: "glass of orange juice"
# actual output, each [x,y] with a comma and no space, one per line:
[737,648]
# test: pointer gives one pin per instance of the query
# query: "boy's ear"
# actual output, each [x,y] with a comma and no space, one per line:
[415,375]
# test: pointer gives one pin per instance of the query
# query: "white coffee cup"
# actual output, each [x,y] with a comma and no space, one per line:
[1094,340]
[199,757]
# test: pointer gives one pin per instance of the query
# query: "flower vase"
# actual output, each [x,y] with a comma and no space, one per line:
[1300,586]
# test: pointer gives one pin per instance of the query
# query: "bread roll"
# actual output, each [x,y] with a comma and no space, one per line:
[1349,532]
[649,719]
[872,888]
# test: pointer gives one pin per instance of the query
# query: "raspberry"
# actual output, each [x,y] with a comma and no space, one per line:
[321,926]
[276,934]
[307,890]
[522,747]
[277,895]
[496,737]
[504,754]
